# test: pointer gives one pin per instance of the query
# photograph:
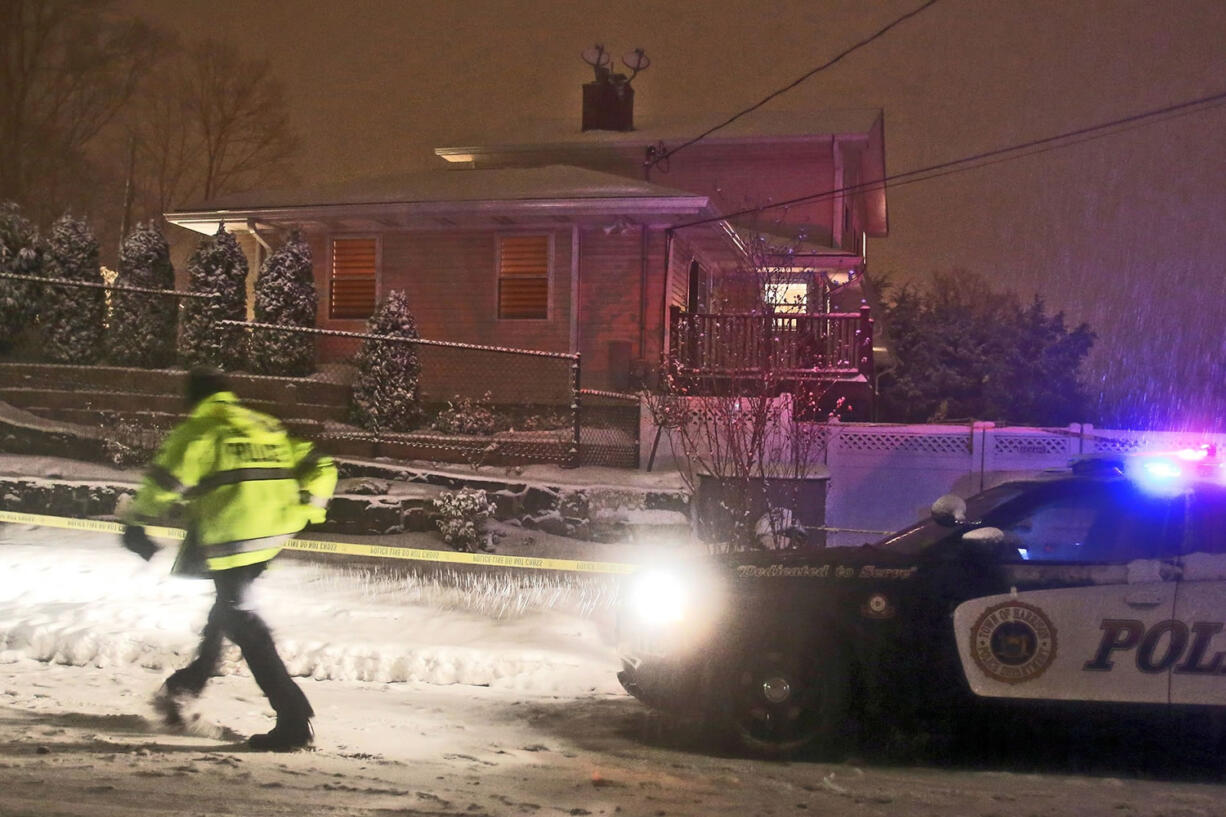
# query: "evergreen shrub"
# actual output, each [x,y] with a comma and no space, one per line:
[143,325]
[20,254]
[72,318]
[218,268]
[386,389]
[285,295]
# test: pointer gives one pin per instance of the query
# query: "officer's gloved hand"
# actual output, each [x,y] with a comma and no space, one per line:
[136,540]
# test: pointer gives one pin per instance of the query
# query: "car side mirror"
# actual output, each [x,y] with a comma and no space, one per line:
[993,543]
[987,536]
[949,510]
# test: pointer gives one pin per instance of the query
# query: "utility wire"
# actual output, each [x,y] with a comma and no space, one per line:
[1047,148]
[663,154]
[976,160]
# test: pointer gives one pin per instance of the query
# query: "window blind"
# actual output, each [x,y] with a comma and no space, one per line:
[523,276]
[352,290]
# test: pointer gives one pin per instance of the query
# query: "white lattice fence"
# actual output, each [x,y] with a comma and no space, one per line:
[1116,441]
[1010,452]
[883,476]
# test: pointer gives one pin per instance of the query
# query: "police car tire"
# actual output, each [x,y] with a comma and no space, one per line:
[810,692]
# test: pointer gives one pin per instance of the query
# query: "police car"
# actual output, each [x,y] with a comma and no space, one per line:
[1102,585]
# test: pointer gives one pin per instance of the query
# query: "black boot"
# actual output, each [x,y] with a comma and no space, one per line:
[169,703]
[286,736]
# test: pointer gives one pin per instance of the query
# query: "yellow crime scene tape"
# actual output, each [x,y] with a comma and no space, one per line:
[345,548]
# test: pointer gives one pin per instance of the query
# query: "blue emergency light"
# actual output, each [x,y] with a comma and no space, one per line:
[1170,473]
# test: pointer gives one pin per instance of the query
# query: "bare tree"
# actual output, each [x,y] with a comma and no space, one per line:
[212,122]
[749,433]
[67,67]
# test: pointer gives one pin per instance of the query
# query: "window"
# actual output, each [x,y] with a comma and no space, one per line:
[352,285]
[1112,523]
[523,276]
[1207,527]
[693,297]
[788,298]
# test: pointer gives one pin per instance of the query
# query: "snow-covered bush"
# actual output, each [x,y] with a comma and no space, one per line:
[72,318]
[217,267]
[466,415]
[386,394]
[545,419]
[143,325]
[285,295]
[129,444]
[462,518]
[20,254]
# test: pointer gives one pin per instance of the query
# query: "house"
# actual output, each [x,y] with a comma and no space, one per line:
[556,238]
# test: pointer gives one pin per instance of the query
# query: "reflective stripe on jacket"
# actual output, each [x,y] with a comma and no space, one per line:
[248,486]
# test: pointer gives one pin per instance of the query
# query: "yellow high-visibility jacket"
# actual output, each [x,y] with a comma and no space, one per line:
[246,484]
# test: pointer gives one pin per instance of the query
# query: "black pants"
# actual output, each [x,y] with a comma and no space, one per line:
[233,618]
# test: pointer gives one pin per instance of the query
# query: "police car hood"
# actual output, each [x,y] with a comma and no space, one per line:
[837,556]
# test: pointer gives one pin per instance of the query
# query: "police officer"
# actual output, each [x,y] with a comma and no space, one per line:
[246,487]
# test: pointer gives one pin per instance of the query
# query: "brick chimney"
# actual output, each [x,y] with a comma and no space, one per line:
[608,106]
[608,102]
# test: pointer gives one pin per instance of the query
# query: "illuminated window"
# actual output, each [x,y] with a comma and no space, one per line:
[351,291]
[836,277]
[523,276]
[787,299]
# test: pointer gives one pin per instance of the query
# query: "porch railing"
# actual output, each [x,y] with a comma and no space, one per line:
[808,347]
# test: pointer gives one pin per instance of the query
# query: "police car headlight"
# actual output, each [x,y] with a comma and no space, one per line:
[659,596]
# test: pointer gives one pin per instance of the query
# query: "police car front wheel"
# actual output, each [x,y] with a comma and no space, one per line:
[780,702]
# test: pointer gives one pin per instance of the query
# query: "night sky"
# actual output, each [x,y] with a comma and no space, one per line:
[1127,232]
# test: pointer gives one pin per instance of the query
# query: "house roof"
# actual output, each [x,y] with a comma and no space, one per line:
[859,129]
[757,126]
[432,198]
[801,240]
[446,185]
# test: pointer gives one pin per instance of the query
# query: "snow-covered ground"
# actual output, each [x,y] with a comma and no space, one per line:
[433,697]
[80,599]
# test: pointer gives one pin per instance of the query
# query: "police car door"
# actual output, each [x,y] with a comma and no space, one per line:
[1195,644]
[1094,575]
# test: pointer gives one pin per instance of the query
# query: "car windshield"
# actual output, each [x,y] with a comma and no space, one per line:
[927,532]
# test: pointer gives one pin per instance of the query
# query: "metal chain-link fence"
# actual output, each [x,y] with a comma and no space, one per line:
[609,424]
[484,405]
[475,404]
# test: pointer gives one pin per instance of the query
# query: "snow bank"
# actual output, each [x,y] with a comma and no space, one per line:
[78,598]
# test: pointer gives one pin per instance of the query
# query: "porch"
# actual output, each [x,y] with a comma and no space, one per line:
[826,358]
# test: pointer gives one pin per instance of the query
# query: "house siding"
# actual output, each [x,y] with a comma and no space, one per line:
[451,280]
[740,179]
[681,253]
[613,307]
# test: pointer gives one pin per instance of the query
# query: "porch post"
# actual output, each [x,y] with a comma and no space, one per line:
[572,456]
[864,343]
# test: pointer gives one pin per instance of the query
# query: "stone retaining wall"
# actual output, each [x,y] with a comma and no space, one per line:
[370,505]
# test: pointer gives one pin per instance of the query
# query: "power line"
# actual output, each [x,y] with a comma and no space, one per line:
[1046,148]
[662,154]
[974,161]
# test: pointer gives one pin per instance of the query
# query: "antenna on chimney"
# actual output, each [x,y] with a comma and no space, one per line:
[636,61]
[599,59]
[608,101]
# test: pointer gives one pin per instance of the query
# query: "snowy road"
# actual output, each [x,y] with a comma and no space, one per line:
[430,700]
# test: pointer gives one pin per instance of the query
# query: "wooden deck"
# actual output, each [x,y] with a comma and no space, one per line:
[820,356]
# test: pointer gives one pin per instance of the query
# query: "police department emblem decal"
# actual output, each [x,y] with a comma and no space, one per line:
[1013,642]
[877,606]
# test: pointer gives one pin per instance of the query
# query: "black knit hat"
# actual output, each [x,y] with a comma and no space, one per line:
[202,382]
